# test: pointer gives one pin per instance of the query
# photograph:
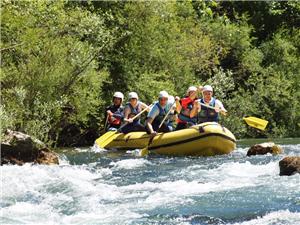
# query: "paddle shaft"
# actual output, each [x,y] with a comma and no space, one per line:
[105,125]
[208,106]
[105,139]
[162,122]
[136,116]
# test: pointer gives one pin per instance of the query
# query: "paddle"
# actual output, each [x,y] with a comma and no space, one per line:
[251,121]
[256,122]
[108,137]
[162,122]
[210,107]
[105,125]
[103,130]
[145,150]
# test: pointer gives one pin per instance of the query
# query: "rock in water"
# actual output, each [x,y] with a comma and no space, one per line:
[19,148]
[264,148]
[289,165]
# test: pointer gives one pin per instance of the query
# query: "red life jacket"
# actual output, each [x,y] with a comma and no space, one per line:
[116,121]
[117,114]
[186,103]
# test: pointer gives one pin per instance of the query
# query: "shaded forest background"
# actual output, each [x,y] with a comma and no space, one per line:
[61,61]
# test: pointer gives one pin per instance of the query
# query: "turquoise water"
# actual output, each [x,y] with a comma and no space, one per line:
[91,186]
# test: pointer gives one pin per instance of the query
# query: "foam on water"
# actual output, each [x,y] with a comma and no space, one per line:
[281,217]
[293,150]
[131,190]
[41,194]
[130,163]
[96,148]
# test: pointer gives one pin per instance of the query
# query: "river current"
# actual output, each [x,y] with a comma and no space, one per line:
[92,186]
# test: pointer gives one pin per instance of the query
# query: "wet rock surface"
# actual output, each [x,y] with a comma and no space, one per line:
[19,148]
[289,165]
[264,148]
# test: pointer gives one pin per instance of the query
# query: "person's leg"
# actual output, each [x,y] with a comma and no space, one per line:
[181,126]
[128,128]
[164,128]
[139,127]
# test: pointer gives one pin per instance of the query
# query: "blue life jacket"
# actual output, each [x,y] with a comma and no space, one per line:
[157,120]
[206,114]
[134,111]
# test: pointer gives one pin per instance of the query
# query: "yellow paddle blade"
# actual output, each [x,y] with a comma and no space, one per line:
[256,122]
[105,139]
[144,152]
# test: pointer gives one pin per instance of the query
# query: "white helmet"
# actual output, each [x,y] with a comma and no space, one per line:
[207,88]
[118,95]
[171,99]
[133,95]
[163,94]
[191,88]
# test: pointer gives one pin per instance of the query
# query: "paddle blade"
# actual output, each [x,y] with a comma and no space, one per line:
[105,139]
[256,122]
[144,152]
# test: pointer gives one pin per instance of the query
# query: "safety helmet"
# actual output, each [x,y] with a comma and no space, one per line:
[207,88]
[192,88]
[163,94]
[118,95]
[171,99]
[133,95]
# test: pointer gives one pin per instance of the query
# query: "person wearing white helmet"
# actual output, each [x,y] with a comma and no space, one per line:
[172,117]
[157,113]
[208,107]
[185,108]
[132,108]
[114,113]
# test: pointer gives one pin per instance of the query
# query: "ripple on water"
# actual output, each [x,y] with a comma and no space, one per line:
[101,188]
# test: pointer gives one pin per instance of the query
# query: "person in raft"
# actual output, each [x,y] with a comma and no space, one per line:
[206,114]
[132,108]
[172,117]
[187,109]
[114,112]
[158,113]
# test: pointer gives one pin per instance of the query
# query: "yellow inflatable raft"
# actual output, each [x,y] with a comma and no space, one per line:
[206,139]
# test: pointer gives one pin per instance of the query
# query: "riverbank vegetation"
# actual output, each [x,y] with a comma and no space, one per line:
[61,61]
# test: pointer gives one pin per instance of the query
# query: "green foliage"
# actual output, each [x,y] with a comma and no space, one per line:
[62,61]
[52,66]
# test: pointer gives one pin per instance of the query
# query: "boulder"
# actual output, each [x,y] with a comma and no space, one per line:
[289,165]
[19,148]
[264,148]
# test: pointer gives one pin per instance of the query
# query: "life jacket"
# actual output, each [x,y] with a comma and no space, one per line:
[117,114]
[159,118]
[134,111]
[206,114]
[186,104]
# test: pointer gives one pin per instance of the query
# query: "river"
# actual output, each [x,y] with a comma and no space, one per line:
[91,186]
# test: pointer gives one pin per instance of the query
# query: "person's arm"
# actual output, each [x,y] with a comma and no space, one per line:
[149,125]
[143,106]
[178,105]
[220,108]
[107,111]
[196,108]
[126,115]
[118,114]
[150,118]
